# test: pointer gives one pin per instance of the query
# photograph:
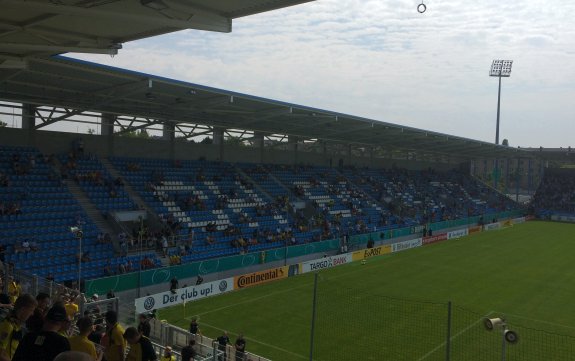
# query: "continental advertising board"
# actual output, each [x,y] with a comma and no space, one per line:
[182,295]
[371,252]
[326,262]
[401,246]
[258,278]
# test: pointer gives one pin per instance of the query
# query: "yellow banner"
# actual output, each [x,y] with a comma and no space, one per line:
[257,278]
[371,252]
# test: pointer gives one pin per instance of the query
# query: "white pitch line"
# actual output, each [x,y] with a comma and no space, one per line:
[275,293]
[452,338]
[260,342]
[535,320]
[252,299]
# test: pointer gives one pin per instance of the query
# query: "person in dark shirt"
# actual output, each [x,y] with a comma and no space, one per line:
[194,326]
[240,347]
[36,321]
[174,284]
[199,280]
[144,325]
[188,352]
[141,348]
[223,342]
[96,335]
[46,344]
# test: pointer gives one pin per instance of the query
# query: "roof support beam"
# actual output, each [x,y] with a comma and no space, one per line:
[130,128]
[110,95]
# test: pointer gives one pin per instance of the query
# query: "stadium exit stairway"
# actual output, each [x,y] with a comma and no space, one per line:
[84,202]
[134,196]
[254,183]
[88,206]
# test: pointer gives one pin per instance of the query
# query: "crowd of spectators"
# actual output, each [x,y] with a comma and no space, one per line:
[556,192]
[43,328]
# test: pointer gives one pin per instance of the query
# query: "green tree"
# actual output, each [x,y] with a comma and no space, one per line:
[3,124]
[207,140]
[135,134]
[505,142]
[235,141]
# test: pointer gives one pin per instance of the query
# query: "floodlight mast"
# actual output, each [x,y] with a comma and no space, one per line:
[500,69]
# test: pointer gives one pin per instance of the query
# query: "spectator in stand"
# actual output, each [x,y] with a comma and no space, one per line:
[240,347]
[168,354]
[46,344]
[14,290]
[11,328]
[141,349]
[36,321]
[164,246]
[108,269]
[189,352]
[71,307]
[80,342]
[97,333]
[114,342]
[144,325]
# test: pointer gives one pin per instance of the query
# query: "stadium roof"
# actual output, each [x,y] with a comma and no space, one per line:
[80,86]
[32,28]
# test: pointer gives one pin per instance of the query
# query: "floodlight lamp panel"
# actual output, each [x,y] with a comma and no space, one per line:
[506,67]
[495,67]
[501,68]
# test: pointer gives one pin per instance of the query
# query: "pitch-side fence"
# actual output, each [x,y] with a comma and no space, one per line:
[350,325]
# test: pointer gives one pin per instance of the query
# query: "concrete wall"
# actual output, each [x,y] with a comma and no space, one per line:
[58,142]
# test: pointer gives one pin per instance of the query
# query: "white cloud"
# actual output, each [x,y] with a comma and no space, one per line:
[383,60]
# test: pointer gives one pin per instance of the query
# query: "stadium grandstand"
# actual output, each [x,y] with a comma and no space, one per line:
[227,184]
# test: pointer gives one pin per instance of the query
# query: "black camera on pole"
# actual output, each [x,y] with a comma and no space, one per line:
[77,231]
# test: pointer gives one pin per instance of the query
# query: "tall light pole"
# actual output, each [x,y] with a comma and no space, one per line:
[140,240]
[499,69]
[77,231]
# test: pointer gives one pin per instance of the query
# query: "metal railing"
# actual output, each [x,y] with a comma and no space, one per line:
[208,349]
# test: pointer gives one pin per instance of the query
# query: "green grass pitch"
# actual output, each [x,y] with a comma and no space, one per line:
[395,306]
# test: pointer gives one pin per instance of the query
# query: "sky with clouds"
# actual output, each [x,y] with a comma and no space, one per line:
[385,61]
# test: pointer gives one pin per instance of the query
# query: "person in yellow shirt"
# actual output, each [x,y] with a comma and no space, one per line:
[14,290]
[116,344]
[71,308]
[80,342]
[168,355]
[11,327]
[141,349]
